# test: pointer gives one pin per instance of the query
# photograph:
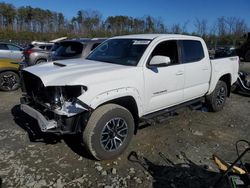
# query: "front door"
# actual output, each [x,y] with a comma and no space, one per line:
[164,85]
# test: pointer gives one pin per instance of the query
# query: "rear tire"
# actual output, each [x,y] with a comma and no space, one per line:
[40,61]
[217,99]
[108,132]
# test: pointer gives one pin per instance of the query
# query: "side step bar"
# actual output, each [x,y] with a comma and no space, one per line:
[162,115]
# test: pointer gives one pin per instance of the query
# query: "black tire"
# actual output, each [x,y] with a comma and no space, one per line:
[247,56]
[40,61]
[101,132]
[217,99]
[9,81]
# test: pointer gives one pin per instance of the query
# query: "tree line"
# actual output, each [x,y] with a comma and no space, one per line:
[28,23]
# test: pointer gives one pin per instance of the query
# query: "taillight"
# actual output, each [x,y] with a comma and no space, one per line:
[27,52]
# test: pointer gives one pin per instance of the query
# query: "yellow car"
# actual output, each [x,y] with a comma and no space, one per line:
[9,75]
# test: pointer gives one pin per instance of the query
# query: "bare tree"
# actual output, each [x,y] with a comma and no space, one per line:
[176,28]
[201,27]
[240,27]
[221,26]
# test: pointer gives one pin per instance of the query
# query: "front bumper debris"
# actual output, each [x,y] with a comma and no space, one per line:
[51,121]
[43,123]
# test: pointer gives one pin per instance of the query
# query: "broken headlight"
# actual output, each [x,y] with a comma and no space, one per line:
[63,99]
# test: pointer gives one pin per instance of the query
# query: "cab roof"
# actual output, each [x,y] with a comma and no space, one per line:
[154,36]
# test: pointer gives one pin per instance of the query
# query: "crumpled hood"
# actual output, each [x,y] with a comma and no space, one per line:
[77,72]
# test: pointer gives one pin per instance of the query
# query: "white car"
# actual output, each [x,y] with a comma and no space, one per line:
[125,80]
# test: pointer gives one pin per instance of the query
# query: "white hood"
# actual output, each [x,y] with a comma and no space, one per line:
[78,72]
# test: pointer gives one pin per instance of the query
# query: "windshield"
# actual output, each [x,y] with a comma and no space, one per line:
[120,51]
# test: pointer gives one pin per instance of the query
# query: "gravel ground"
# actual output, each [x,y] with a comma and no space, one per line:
[187,142]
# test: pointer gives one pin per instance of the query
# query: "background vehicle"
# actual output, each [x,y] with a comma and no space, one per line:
[37,53]
[243,83]
[244,50]
[75,48]
[125,80]
[9,75]
[225,52]
[10,51]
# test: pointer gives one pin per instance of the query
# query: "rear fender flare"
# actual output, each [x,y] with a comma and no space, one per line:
[215,80]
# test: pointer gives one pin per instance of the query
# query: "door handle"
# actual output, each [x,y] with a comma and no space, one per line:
[205,68]
[179,73]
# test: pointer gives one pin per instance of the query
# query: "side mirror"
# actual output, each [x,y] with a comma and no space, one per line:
[159,61]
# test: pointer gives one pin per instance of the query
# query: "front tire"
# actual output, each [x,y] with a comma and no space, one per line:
[217,99]
[9,81]
[109,131]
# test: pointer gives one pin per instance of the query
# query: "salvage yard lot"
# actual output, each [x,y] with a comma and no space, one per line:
[29,158]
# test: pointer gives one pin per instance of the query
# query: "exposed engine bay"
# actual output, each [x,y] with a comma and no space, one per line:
[58,104]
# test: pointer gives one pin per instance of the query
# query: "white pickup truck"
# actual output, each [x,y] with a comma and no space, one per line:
[124,81]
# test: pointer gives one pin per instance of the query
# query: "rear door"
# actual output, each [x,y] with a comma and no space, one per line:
[197,69]
[164,85]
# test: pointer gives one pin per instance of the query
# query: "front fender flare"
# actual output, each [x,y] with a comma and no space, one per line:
[115,94]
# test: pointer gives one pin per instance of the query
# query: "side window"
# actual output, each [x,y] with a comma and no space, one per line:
[167,48]
[42,47]
[192,51]
[3,47]
[12,47]
[48,47]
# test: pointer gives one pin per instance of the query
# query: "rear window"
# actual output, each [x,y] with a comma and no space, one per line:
[55,46]
[30,46]
[69,49]
[192,51]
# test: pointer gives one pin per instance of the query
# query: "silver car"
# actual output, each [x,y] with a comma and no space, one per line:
[10,51]
[37,53]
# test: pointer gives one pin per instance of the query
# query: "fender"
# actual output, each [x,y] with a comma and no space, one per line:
[118,93]
[214,80]
[9,69]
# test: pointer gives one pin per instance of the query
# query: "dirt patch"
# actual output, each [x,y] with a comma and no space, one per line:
[29,158]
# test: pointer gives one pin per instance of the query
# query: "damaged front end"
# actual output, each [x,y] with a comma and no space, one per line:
[56,108]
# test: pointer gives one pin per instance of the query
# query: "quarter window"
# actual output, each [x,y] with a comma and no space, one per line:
[192,51]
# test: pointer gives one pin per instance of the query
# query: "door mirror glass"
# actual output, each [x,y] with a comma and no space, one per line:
[160,61]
